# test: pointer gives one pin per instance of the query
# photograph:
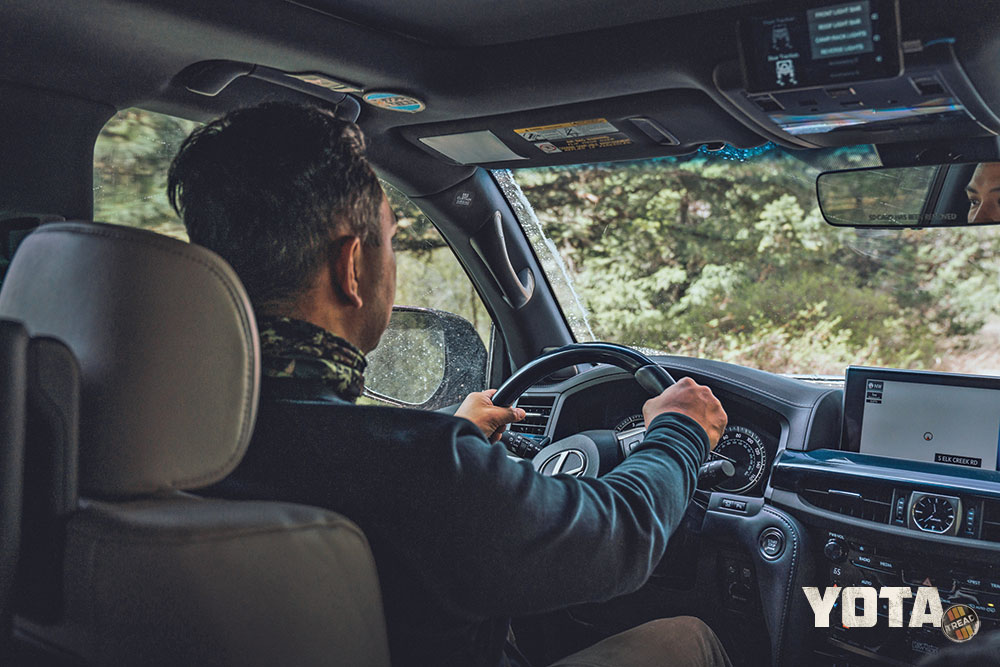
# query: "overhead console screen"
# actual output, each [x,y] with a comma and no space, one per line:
[819,46]
[921,416]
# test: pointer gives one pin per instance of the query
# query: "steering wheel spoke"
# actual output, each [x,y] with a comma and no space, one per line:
[590,453]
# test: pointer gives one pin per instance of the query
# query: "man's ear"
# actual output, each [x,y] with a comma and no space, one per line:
[346,264]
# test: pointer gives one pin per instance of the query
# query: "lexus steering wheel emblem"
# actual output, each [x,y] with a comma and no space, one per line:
[571,462]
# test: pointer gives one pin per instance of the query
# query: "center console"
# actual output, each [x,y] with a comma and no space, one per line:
[850,560]
[910,498]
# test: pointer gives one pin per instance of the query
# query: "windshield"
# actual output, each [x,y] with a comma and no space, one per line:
[729,259]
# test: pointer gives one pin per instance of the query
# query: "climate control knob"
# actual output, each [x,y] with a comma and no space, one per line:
[835,550]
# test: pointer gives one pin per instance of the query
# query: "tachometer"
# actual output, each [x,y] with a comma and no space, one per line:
[630,432]
[630,423]
[745,450]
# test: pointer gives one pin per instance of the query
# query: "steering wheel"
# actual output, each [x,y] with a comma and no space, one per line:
[589,453]
[595,452]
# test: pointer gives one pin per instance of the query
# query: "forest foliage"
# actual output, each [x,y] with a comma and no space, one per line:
[732,260]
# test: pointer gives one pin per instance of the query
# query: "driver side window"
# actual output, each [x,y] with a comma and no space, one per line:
[131,159]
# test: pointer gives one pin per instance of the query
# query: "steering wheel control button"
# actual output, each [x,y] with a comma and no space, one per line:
[733,504]
[524,446]
[772,544]
[835,550]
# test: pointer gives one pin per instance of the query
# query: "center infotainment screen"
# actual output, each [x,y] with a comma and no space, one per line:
[922,416]
[821,45]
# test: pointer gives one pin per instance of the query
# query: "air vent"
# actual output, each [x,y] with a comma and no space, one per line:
[538,409]
[871,502]
[991,520]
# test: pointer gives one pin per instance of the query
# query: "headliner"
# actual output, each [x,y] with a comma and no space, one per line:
[476,65]
[461,23]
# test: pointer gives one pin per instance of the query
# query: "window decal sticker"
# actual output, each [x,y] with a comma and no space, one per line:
[395,102]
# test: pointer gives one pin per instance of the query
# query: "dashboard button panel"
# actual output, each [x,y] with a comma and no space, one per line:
[835,549]
[886,565]
[863,560]
[882,564]
[733,504]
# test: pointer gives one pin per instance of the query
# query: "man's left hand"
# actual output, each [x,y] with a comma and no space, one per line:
[491,419]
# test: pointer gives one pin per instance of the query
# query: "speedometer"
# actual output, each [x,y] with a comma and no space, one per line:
[745,450]
[741,446]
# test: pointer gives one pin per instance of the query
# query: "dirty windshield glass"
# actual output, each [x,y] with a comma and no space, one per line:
[727,257]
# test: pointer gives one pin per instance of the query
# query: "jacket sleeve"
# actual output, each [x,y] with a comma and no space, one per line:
[514,542]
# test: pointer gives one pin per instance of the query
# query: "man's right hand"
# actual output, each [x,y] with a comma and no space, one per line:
[694,400]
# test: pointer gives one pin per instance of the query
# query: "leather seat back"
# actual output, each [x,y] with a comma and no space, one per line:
[169,372]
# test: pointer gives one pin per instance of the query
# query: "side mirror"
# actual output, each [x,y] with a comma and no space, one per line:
[427,359]
[944,195]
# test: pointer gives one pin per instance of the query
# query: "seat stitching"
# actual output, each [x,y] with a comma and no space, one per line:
[791,577]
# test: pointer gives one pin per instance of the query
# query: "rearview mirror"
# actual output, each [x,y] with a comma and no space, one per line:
[947,195]
[427,359]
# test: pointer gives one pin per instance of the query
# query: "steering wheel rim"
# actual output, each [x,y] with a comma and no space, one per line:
[646,372]
[586,447]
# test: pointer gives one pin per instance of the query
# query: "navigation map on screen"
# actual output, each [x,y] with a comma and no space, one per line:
[935,423]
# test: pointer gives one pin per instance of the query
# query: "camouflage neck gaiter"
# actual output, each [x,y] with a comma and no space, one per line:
[297,349]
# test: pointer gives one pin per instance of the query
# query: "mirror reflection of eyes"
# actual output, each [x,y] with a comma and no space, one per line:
[934,195]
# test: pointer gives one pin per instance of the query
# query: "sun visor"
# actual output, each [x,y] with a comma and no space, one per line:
[654,124]
[471,147]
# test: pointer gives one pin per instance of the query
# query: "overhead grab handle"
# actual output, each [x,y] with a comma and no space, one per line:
[516,286]
[211,77]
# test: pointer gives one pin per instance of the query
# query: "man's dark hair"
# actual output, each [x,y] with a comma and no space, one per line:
[269,188]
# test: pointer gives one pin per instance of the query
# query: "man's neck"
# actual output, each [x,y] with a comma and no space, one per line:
[325,318]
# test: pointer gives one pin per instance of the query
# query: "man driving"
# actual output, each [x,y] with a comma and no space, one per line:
[463,537]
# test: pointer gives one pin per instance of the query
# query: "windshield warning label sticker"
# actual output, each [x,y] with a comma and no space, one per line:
[579,135]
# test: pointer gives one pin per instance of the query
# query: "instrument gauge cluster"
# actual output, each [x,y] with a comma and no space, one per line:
[744,446]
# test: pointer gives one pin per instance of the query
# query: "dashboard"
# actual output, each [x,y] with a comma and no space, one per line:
[750,441]
[827,492]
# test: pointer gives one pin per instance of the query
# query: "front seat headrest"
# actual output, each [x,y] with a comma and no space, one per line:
[14,228]
[167,345]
